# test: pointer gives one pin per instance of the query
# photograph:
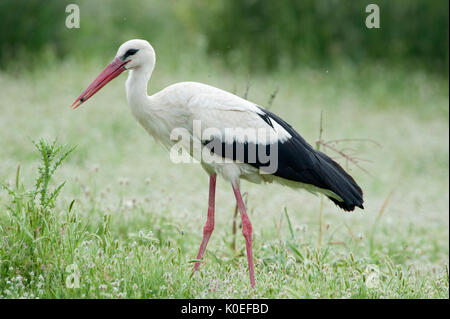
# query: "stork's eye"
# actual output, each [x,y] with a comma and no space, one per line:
[129,52]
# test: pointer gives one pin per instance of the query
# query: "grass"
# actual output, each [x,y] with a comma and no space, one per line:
[127,222]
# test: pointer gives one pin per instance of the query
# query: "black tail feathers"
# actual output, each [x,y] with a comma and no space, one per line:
[346,206]
[300,162]
[340,183]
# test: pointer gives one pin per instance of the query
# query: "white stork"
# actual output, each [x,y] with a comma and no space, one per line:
[224,117]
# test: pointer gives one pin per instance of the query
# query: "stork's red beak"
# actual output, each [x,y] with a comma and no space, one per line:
[110,72]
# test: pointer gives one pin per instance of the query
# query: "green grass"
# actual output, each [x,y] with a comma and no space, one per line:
[131,221]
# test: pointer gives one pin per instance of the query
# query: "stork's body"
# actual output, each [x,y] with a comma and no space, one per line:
[222,116]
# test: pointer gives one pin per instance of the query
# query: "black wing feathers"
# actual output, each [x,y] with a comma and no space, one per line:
[266,119]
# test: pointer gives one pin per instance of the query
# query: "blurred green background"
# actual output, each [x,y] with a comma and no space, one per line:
[255,34]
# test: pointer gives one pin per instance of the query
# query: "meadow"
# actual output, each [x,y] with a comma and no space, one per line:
[127,223]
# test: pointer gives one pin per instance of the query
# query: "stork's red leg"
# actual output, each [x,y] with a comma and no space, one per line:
[246,230]
[209,226]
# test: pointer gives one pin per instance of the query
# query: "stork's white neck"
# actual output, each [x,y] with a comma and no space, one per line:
[136,87]
[143,107]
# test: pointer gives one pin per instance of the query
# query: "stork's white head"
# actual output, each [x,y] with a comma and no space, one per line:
[132,55]
[136,53]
